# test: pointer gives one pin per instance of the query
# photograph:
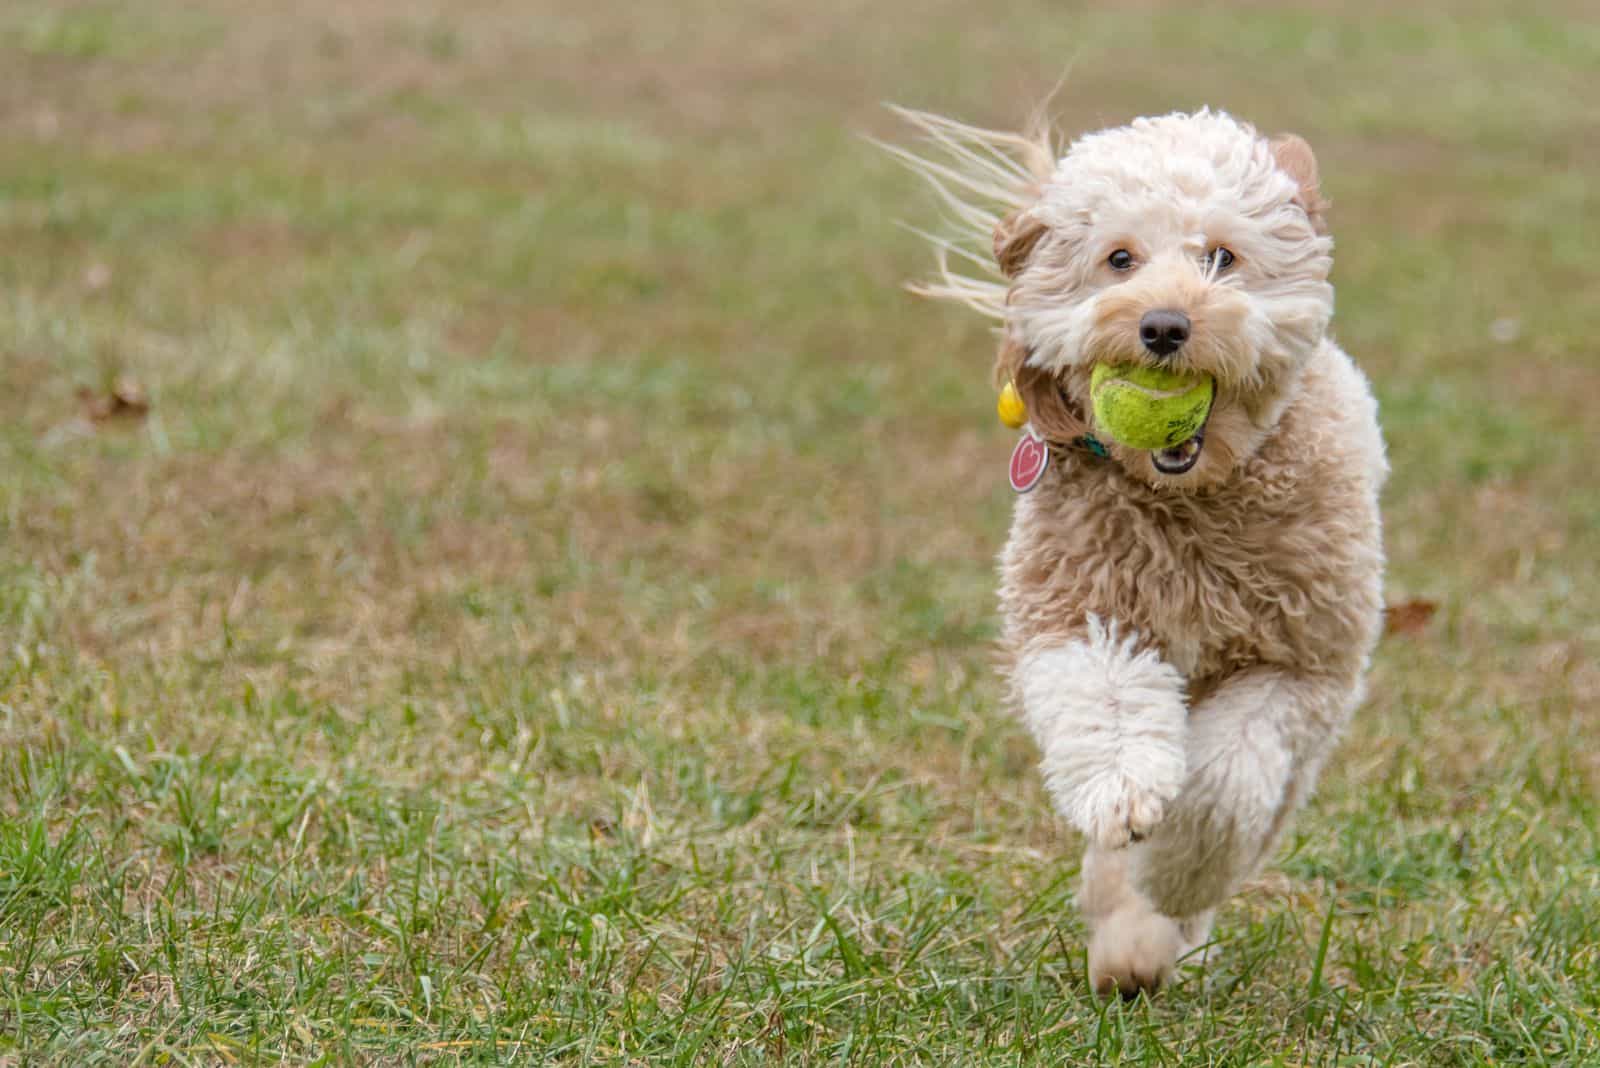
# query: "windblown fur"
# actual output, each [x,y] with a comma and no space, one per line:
[1185,646]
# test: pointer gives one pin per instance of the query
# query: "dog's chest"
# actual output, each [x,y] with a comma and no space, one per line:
[1217,582]
[1209,585]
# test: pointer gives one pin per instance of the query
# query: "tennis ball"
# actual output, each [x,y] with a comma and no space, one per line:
[1148,408]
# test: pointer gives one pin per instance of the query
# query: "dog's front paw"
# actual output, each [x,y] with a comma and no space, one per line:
[1111,721]
[1113,810]
[1114,798]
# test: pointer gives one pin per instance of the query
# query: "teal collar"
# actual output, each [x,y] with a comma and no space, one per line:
[1090,443]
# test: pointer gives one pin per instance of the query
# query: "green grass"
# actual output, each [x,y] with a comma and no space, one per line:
[546,612]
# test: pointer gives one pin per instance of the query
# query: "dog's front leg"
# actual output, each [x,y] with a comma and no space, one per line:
[1109,720]
[1254,749]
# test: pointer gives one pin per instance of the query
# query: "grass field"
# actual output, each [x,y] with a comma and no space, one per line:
[532,600]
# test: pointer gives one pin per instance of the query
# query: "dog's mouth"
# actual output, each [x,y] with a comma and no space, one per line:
[1181,457]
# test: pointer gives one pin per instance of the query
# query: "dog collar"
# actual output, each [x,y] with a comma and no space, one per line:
[1031,456]
[1014,415]
[1089,443]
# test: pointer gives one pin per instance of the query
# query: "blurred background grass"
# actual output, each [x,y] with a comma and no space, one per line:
[492,564]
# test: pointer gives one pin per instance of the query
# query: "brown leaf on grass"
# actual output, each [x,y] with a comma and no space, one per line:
[125,399]
[1408,617]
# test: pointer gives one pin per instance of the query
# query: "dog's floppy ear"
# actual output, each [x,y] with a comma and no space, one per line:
[1014,238]
[1295,158]
[1049,412]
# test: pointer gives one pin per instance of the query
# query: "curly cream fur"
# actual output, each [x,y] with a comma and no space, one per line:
[1109,718]
[1185,647]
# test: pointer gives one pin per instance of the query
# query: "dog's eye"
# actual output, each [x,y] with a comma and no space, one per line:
[1219,259]
[1120,260]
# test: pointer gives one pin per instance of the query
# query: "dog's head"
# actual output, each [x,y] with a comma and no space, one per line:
[1187,242]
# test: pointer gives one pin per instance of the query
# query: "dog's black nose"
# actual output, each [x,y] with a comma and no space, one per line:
[1164,331]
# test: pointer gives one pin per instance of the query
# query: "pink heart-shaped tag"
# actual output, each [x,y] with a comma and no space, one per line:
[1028,461]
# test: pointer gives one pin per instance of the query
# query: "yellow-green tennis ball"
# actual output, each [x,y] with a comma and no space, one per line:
[1148,408]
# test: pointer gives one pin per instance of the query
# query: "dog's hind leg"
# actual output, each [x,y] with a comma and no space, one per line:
[1254,749]
[1132,946]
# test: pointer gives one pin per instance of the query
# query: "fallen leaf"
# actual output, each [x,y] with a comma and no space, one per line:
[1408,617]
[124,400]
